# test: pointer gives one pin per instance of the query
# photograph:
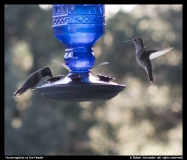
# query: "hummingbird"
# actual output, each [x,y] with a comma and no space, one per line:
[33,80]
[144,56]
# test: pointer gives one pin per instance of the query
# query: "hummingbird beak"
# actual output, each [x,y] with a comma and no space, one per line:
[127,41]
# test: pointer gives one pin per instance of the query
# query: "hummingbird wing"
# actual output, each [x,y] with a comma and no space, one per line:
[29,83]
[62,64]
[157,53]
[22,90]
[146,47]
[101,64]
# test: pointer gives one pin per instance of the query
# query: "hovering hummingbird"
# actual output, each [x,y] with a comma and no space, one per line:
[33,80]
[143,56]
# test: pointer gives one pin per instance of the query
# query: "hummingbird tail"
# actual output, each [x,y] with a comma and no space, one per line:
[148,69]
[150,75]
[19,92]
[16,94]
[151,79]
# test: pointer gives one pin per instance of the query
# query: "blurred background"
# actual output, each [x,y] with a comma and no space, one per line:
[144,119]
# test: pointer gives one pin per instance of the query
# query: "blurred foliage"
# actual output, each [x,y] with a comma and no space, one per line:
[144,119]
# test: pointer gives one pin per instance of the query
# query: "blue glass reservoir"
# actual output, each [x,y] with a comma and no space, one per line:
[78,27]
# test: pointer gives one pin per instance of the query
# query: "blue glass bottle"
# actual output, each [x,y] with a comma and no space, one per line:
[78,27]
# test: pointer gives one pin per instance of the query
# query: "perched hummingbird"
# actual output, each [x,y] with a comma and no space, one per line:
[33,80]
[143,56]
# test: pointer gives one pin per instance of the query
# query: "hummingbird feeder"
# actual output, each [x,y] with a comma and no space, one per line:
[78,27]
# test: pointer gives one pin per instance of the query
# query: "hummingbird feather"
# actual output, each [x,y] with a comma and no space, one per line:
[159,53]
[148,69]
[62,64]
[101,64]
[33,80]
